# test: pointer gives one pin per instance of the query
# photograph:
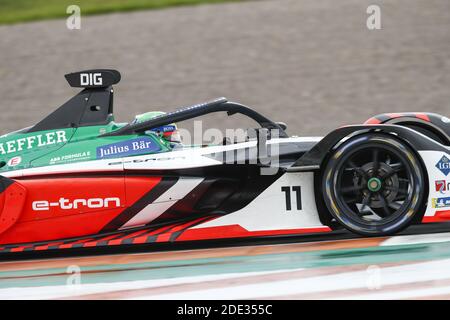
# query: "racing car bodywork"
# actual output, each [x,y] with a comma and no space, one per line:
[78,179]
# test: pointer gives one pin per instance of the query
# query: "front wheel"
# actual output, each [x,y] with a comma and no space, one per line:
[373,185]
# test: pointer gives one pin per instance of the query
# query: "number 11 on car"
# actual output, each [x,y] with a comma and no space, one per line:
[293,192]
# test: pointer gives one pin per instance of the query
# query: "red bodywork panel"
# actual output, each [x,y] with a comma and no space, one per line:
[236,231]
[82,212]
[382,118]
[60,208]
[11,206]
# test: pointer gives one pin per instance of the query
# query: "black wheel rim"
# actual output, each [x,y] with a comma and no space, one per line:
[374,184]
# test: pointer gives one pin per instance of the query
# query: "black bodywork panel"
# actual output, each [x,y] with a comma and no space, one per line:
[316,156]
[92,106]
[89,107]
[436,126]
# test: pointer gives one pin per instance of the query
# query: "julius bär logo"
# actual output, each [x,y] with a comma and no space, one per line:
[128,148]
[444,165]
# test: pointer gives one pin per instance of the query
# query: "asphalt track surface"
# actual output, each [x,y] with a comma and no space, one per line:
[311,64]
[412,265]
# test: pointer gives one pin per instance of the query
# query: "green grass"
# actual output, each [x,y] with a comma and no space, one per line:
[13,11]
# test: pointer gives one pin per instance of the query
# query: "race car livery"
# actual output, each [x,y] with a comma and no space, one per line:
[78,179]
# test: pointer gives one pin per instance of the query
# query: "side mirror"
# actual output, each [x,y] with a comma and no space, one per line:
[282,125]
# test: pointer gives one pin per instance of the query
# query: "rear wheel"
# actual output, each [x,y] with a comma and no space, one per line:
[373,185]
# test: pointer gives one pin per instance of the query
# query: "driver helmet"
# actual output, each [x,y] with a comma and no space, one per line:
[167,132]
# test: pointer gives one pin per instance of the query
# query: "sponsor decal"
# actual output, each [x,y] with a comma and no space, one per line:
[445,119]
[80,156]
[66,204]
[31,142]
[164,129]
[441,202]
[15,161]
[127,148]
[91,79]
[145,160]
[442,186]
[444,165]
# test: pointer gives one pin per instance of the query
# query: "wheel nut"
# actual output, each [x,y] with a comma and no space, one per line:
[374,184]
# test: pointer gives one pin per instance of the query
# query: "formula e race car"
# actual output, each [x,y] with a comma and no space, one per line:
[78,179]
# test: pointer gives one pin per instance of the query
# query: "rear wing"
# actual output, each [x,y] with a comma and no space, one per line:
[92,106]
[183,114]
[95,78]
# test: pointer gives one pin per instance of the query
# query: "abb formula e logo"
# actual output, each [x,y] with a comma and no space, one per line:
[91,79]
[66,204]
[14,161]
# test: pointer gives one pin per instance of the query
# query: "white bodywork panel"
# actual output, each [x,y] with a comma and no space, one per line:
[430,159]
[178,159]
[268,211]
[152,211]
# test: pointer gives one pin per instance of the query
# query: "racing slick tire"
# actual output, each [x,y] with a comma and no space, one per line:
[373,185]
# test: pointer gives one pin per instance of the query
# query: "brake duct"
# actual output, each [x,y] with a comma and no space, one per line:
[12,200]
